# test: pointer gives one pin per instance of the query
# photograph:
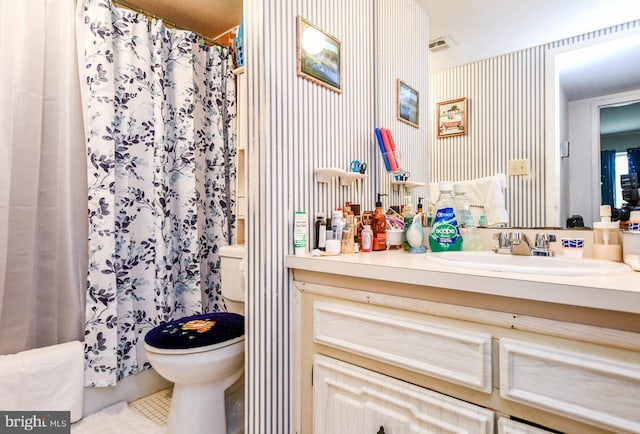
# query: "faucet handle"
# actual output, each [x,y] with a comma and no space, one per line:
[543,239]
[503,239]
[504,242]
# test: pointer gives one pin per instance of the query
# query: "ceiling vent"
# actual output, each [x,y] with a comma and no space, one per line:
[440,43]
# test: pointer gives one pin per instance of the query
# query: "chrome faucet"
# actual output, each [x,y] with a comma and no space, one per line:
[542,244]
[508,240]
[504,243]
[517,238]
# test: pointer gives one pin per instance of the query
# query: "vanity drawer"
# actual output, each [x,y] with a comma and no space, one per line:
[350,399]
[411,341]
[598,390]
[508,426]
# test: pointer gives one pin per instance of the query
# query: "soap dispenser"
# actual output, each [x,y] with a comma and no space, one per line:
[607,237]
[379,226]
[415,235]
[407,217]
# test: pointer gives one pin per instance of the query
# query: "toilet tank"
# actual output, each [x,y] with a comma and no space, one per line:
[233,277]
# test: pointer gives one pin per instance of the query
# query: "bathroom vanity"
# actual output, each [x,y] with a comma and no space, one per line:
[385,341]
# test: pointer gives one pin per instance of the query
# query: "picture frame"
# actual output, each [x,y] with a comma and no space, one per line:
[452,117]
[407,104]
[319,56]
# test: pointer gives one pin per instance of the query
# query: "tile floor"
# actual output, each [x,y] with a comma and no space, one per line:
[155,406]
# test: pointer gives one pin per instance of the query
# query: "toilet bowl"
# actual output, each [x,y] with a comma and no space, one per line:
[203,355]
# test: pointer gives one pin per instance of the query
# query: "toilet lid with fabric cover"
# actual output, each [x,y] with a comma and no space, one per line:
[196,331]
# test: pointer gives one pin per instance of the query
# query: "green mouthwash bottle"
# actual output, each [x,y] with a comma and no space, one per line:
[445,233]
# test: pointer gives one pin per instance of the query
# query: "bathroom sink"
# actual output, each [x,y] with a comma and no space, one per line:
[556,265]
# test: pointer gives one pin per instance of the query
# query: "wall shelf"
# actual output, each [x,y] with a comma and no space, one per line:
[325,175]
[408,185]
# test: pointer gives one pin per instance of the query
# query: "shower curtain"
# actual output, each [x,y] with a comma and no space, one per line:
[160,107]
[43,201]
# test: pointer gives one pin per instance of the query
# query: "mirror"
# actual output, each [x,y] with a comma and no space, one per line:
[586,79]
[484,38]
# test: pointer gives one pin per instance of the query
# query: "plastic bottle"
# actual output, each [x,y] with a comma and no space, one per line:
[445,233]
[420,211]
[471,240]
[366,244]
[379,226]
[300,233]
[430,214]
[320,235]
[407,217]
[337,224]
[425,229]
[347,236]
[461,202]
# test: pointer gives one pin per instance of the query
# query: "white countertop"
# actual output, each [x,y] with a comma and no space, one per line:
[618,292]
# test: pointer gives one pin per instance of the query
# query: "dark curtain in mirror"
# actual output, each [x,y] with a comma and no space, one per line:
[608,177]
[633,157]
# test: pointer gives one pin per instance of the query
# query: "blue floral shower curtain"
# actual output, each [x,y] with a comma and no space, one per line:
[159,107]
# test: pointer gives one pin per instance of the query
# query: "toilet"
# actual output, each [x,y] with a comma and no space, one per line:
[203,355]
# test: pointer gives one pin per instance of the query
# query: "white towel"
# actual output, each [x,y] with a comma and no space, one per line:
[44,379]
[485,192]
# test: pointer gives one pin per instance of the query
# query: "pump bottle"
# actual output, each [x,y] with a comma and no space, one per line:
[407,216]
[379,226]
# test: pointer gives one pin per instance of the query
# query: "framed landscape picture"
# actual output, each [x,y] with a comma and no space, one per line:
[407,104]
[452,117]
[319,56]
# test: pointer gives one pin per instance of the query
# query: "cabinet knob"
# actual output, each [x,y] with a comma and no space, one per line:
[381,430]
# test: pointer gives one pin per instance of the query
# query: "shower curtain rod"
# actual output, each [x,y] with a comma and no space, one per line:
[127,5]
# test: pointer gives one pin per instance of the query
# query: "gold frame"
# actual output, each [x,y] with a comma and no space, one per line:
[401,88]
[306,61]
[455,124]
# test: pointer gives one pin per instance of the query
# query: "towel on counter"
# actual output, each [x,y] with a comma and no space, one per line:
[44,379]
[485,192]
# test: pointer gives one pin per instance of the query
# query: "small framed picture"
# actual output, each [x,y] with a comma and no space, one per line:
[407,104]
[452,117]
[319,56]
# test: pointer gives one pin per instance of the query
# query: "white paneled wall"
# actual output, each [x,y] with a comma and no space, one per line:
[294,127]
[506,121]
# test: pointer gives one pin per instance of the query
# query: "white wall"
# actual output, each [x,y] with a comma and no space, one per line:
[294,127]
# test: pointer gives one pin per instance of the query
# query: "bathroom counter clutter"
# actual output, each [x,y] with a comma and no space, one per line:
[616,292]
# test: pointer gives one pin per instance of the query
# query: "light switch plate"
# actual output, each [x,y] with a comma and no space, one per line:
[518,167]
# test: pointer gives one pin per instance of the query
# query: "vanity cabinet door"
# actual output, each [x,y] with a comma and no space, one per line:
[598,390]
[349,399]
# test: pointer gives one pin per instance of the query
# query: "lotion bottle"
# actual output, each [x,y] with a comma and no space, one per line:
[366,239]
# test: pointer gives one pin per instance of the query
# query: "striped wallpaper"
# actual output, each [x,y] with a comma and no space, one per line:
[402,54]
[294,127]
[506,97]
[505,122]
